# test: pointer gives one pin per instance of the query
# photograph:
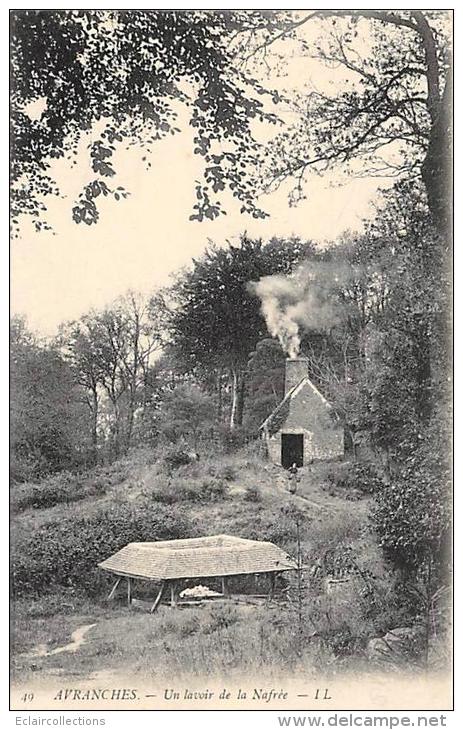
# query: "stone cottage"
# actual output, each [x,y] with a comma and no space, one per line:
[304,426]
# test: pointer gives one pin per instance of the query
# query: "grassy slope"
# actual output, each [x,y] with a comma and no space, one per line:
[223,639]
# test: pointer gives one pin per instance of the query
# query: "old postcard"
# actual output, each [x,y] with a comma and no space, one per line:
[231,359]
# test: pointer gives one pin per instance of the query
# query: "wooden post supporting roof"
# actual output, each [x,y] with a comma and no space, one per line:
[272,584]
[158,599]
[114,589]
[129,591]
[173,601]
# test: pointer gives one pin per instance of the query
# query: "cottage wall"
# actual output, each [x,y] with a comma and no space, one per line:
[309,414]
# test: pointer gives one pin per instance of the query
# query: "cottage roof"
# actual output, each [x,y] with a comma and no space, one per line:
[280,409]
[202,557]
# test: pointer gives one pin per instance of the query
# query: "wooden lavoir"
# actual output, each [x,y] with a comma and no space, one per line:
[171,563]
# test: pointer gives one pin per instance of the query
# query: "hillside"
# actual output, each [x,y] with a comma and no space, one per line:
[60,592]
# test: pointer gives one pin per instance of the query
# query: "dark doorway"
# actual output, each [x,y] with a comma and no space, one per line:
[292,449]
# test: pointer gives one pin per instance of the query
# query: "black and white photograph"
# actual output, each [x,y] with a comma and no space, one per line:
[231,359]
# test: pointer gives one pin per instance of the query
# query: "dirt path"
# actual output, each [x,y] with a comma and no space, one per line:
[306,501]
[77,636]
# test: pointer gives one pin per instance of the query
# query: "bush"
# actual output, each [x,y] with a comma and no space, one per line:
[253,494]
[273,525]
[233,439]
[366,478]
[208,490]
[167,494]
[226,472]
[212,490]
[220,617]
[256,450]
[67,553]
[190,471]
[351,478]
[176,458]
[64,487]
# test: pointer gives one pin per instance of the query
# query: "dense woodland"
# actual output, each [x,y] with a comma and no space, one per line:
[197,362]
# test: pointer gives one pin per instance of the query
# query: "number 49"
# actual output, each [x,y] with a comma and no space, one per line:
[28,697]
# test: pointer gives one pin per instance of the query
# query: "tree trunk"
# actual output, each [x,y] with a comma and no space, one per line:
[130,422]
[133,381]
[236,416]
[234,376]
[436,173]
[436,170]
[351,444]
[116,430]
[219,395]
[94,426]
[240,404]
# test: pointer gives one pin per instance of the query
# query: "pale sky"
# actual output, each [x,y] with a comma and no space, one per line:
[139,241]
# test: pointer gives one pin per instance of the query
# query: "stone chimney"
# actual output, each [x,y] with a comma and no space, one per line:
[296,370]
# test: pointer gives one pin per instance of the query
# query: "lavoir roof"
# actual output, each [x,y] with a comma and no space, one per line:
[201,557]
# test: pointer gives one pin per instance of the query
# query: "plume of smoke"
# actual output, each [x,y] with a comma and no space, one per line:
[306,299]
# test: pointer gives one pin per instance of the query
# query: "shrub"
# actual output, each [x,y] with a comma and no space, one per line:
[226,472]
[212,490]
[208,490]
[57,489]
[366,478]
[191,471]
[256,451]
[253,494]
[362,478]
[167,494]
[176,458]
[221,617]
[272,525]
[67,553]
[233,439]
[181,624]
